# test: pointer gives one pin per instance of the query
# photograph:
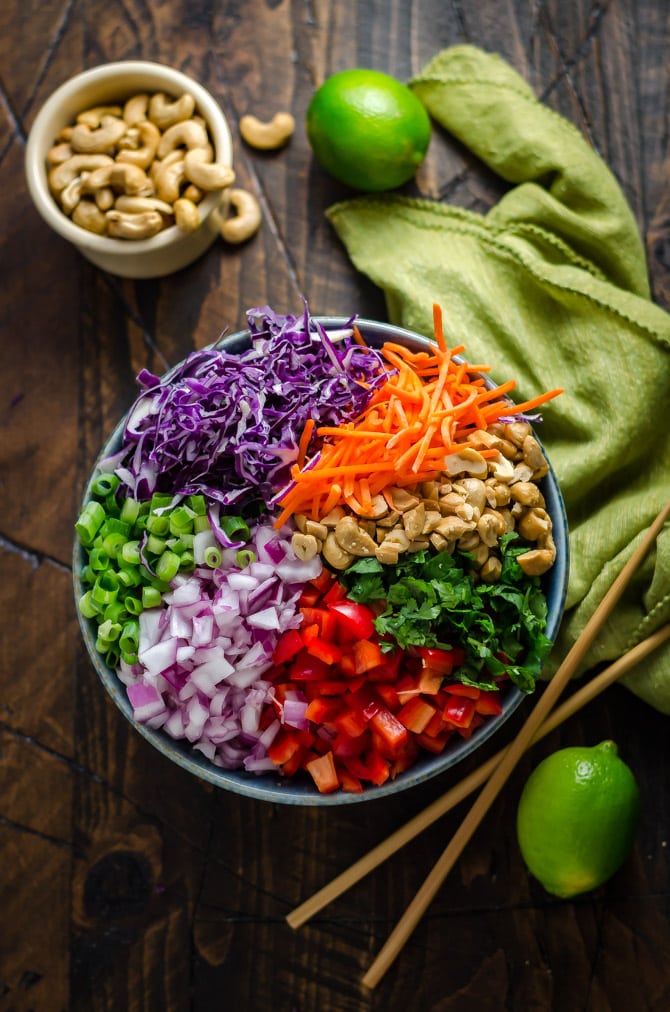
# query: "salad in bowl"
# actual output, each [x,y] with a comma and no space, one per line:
[321,560]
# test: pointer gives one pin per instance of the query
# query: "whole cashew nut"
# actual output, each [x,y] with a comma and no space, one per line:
[100,140]
[135,109]
[247,218]
[165,113]
[89,216]
[137,205]
[168,177]
[93,117]
[267,136]
[149,136]
[186,134]
[120,176]
[63,174]
[186,215]
[134,226]
[206,174]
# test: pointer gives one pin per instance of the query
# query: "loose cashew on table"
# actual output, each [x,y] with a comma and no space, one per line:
[131,171]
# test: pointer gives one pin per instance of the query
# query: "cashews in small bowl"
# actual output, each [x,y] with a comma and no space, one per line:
[96,145]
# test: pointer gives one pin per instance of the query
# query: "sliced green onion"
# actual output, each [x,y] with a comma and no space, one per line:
[158,524]
[109,631]
[186,562]
[198,505]
[181,520]
[201,523]
[235,528]
[106,588]
[245,557]
[98,560]
[129,658]
[159,501]
[130,510]
[133,604]
[87,606]
[129,639]
[105,485]
[213,557]
[87,575]
[130,553]
[112,656]
[89,522]
[151,597]
[115,612]
[113,544]
[155,545]
[167,566]
[128,577]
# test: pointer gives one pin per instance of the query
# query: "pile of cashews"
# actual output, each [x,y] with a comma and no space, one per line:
[130,171]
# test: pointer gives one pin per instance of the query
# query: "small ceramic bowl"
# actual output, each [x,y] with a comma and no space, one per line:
[113,83]
[300,790]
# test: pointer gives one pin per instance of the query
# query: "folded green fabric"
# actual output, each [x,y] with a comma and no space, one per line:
[550,288]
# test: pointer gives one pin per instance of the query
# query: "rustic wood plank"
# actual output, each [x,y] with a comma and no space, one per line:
[126,883]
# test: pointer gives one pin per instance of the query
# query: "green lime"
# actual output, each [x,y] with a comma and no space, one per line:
[577,818]
[367,129]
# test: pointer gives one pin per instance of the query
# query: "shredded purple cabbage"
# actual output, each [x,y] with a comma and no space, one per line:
[228,426]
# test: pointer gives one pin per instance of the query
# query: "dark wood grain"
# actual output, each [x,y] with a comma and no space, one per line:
[126,884]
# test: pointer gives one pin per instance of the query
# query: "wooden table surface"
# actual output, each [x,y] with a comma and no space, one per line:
[126,883]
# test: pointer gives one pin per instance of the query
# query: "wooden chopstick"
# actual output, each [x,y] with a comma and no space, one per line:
[513,753]
[411,829]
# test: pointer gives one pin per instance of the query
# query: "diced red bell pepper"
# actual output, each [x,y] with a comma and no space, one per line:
[389,728]
[467,732]
[459,711]
[437,659]
[434,743]
[389,695]
[351,722]
[323,772]
[372,767]
[430,681]
[285,744]
[346,663]
[324,581]
[344,745]
[348,781]
[292,765]
[324,619]
[309,597]
[489,703]
[416,714]
[435,725]
[322,648]
[288,645]
[333,687]
[309,631]
[336,592]
[389,668]
[459,689]
[306,667]
[322,710]
[367,655]
[355,621]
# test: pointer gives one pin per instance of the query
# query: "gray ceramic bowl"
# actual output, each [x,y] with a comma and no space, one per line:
[301,791]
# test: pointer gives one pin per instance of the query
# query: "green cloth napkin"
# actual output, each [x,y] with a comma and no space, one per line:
[550,288]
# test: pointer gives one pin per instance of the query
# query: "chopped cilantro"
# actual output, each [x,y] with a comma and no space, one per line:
[435,600]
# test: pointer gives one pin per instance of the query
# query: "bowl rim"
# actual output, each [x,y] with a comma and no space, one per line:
[272,787]
[103,76]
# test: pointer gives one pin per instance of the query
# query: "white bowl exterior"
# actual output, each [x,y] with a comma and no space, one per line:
[171,249]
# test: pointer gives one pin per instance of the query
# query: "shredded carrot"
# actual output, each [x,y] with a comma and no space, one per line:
[304,441]
[428,408]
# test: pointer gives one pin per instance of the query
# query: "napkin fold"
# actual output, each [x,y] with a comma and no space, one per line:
[550,288]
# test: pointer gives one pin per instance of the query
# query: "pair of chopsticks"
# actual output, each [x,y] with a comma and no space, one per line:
[494,773]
